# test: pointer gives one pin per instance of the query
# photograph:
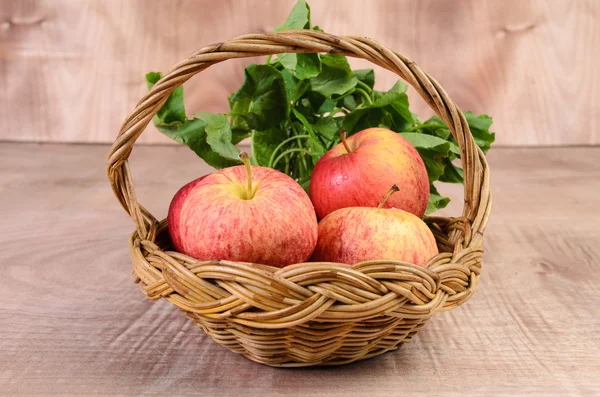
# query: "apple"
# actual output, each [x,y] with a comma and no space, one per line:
[358,171]
[244,213]
[173,219]
[356,234]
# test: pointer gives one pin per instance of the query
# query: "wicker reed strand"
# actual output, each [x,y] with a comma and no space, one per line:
[310,313]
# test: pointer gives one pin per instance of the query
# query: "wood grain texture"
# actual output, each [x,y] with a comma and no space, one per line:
[74,323]
[71,70]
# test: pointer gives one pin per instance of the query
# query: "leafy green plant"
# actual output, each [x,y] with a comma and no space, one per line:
[293,107]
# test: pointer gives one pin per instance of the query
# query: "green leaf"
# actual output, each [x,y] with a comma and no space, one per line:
[433,163]
[303,66]
[327,106]
[172,121]
[308,66]
[299,17]
[452,173]
[349,102]
[152,78]
[436,200]
[304,121]
[316,149]
[173,109]
[313,144]
[438,149]
[482,122]
[336,77]
[435,153]
[303,87]
[265,87]
[219,135]
[480,128]
[395,101]
[193,134]
[291,83]
[367,76]
[239,108]
[288,61]
[327,127]
[373,117]
[398,90]
[264,143]
[434,126]
[239,134]
[429,142]
[311,104]
[389,110]
[416,119]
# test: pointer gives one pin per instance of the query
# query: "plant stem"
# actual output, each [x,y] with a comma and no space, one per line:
[392,190]
[363,86]
[287,165]
[282,144]
[268,61]
[301,170]
[246,160]
[299,143]
[365,95]
[288,152]
[345,95]
[344,141]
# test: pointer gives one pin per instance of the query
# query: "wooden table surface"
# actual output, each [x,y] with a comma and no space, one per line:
[72,322]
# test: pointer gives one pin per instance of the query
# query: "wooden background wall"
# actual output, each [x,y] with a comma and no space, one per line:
[71,70]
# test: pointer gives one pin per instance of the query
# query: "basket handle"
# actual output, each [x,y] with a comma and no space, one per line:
[476,174]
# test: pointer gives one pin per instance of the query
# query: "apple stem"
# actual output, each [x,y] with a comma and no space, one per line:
[344,141]
[392,190]
[246,160]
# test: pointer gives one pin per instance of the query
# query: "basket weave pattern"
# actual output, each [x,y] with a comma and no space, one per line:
[310,313]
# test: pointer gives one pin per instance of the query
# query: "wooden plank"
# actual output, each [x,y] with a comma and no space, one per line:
[74,323]
[72,70]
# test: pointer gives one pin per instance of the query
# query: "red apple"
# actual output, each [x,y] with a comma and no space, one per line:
[175,211]
[244,213]
[356,234]
[358,172]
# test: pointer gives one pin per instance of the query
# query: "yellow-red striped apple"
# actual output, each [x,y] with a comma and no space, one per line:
[358,171]
[244,213]
[356,234]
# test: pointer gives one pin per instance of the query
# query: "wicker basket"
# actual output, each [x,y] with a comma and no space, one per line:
[309,313]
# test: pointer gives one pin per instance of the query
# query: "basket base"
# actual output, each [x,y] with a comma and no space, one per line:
[313,343]
[307,314]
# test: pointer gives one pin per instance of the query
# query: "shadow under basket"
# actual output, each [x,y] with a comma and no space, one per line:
[310,313]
